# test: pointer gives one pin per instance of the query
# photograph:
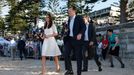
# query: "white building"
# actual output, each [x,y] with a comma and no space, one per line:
[106,15]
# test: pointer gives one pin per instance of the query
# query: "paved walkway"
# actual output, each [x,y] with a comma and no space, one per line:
[33,67]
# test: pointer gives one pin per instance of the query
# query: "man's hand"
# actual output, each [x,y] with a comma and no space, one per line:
[91,43]
[104,47]
[79,36]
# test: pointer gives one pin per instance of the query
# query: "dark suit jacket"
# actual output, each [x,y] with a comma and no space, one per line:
[92,37]
[91,33]
[21,45]
[78,27]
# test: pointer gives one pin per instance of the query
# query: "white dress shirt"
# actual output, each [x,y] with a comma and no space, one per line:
[71,24]
[86,34]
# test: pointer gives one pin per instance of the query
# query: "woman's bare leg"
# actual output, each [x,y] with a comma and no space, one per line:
[56,60]
[43,65]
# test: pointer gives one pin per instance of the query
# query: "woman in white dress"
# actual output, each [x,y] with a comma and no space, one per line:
[50,47]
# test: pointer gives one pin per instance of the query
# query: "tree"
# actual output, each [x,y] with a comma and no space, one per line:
[1,23]
[0,5]
[51,5]
[123,8]
[22,13]
[2,26]
[63,9]
[131,5]
[131,11]
[81,8]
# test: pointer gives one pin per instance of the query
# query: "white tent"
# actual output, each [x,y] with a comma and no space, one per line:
[4,41]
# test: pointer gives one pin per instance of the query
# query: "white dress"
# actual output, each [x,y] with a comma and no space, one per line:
[50,46]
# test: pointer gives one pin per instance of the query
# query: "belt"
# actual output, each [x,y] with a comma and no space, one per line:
[86,41]
[112,42]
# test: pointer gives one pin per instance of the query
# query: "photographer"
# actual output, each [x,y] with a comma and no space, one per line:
[37,36]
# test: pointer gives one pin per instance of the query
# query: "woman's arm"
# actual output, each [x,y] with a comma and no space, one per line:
[117,41]
[42,36]
[55,33]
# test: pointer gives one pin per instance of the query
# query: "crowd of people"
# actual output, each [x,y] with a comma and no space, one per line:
[79,37]
[21,47]
[108,47]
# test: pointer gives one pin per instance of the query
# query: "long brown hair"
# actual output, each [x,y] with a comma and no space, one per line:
[50,21]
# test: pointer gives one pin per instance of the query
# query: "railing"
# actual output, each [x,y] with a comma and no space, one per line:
[126,36]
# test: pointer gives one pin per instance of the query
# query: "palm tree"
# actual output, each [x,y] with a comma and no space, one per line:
[123,8]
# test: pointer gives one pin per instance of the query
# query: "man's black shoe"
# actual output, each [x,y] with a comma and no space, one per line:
[99,69]
[21,58]
[69,73]
[122,66]
[112,66]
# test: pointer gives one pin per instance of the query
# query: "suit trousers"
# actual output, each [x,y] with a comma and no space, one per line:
[23,53]
[13,52]
[86,52]
[73,44]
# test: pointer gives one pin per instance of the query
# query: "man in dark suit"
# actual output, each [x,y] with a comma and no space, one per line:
[89,45]
[21,47]
[74,39]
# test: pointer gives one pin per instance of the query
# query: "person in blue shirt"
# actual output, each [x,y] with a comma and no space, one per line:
[114,47]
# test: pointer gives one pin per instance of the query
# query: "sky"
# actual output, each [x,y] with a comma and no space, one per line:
[98,6]
[4,11]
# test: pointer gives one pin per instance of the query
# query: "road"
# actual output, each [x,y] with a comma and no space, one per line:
[33,67]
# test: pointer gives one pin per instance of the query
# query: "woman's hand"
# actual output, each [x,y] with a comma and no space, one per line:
[47,36]
[51,35]
[113,48]
[44,36]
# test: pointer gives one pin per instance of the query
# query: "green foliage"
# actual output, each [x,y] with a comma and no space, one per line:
[80,8]
[131,5]
[0,5]
[21,14]
[52,5]
[1,23]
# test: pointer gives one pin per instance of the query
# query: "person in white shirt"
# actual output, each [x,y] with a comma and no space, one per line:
[89,45]
[13,48]
[74,39]
[50,46]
